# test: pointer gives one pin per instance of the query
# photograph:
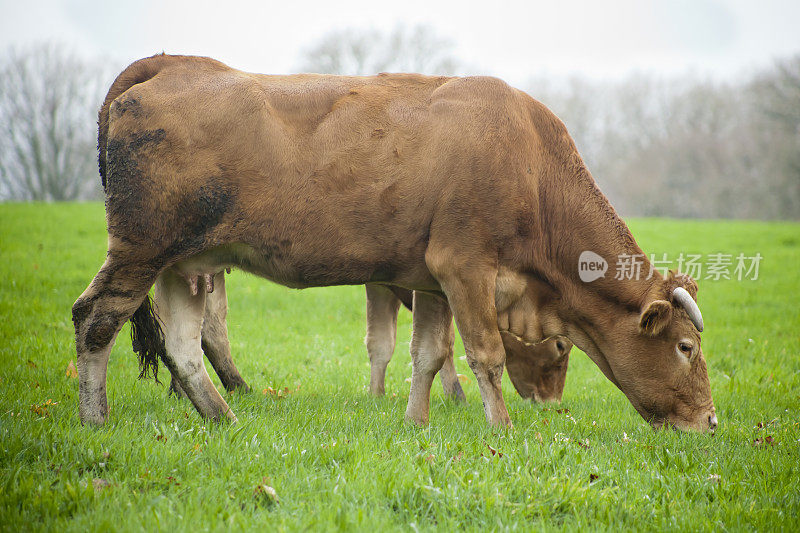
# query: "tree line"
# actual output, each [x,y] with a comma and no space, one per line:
[679,147]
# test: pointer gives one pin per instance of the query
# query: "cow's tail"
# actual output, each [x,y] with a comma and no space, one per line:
[147,339]
[137,72]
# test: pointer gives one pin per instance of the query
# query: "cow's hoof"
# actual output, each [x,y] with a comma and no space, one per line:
[416,420]
[93,406]
[93,417]
[501,423]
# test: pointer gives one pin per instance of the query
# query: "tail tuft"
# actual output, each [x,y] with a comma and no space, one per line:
[147,339]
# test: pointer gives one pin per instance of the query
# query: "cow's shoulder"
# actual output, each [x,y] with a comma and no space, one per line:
[490,110]
[478,91]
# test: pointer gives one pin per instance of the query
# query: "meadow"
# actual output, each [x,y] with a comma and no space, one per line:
[313,451]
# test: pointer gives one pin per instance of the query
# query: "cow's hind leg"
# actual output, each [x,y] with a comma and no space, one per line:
[382,308]
[430,345]
[215,341]
[115,293]
[181,314]
[175,388]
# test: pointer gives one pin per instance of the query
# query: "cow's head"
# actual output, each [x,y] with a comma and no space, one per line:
[653,355]
[537,371]
[651,352]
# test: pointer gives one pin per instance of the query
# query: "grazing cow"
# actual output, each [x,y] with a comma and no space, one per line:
[465,190]
[537,372]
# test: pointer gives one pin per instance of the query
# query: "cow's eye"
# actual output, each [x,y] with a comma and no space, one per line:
[685,348]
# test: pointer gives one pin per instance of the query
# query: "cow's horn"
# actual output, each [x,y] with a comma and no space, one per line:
[683,297]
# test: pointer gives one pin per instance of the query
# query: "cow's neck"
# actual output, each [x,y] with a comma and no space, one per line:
[575,216]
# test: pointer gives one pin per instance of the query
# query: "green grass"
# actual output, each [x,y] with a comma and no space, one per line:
[339,459]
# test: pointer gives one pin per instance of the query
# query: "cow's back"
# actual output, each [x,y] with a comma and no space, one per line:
[344,176]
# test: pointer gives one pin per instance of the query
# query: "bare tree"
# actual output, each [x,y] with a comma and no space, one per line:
[359,52]
[688,147]
[778,90]
[776,97]
[48,104]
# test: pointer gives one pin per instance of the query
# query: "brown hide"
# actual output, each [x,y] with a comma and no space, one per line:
[463,187]
[324,180]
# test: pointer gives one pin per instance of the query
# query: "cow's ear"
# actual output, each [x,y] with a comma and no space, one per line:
[655,318]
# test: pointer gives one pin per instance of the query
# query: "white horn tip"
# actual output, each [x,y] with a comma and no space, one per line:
[686,301]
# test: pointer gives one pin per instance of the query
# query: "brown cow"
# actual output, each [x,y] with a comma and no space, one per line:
[465,190]
[538,372]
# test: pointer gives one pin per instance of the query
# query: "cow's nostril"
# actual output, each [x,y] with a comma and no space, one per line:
[712,421]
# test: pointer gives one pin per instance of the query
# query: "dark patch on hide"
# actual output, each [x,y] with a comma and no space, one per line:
[96,335]
[169,362]
[119,293]
[135,216]
[195,216]
[115,276]
[204,209]
[123,180]
[101,330]
[80,311]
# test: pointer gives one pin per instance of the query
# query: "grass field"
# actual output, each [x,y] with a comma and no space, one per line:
[340,459]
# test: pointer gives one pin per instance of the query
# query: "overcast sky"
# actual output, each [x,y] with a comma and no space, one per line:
[513,40]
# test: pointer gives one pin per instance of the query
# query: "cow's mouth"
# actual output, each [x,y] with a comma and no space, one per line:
[707,423]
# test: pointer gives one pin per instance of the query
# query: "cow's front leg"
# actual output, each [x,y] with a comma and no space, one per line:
[470,291]
[382,308]
[430,346]
[181,311]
